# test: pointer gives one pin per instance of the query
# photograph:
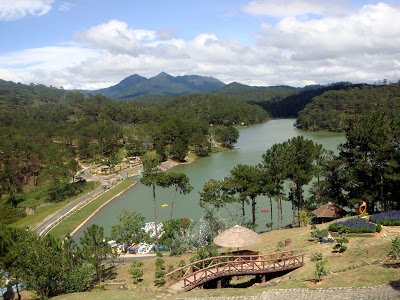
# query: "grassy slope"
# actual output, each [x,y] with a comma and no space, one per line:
[362,249]
[70,223]
[47,210]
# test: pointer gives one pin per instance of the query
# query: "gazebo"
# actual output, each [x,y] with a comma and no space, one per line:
[237,237]
[328,212]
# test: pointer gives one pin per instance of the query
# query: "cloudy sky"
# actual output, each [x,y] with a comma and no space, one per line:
[94,43]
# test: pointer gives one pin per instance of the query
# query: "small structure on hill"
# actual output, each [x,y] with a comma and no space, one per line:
[328,212]
[237,237]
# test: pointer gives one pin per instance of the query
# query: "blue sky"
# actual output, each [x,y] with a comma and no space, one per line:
[93,44]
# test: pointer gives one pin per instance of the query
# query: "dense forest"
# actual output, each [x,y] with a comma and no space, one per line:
[334,109]
[43,131]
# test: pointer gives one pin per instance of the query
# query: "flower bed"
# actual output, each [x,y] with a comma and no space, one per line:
[354,225]
[389,218]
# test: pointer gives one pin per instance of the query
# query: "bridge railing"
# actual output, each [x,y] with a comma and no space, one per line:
[195,266]
[241,267]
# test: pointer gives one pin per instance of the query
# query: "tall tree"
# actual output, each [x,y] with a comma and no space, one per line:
[274,168]
[371,157]
[301,155]
[181,183]
[129,230]
[152,177]
[245,181]
[95,248]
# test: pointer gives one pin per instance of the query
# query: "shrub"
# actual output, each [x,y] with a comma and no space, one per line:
[320,262]
[204,252]
[136,271]
[394,252]
[389,218]
[378,227]
[354,225]
[159,279]
[319,234]
[304,218]
[339,247]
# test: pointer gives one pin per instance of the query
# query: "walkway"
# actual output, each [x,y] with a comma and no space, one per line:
[385,292]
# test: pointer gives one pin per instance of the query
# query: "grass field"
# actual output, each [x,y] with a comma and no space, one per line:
[73,221]
[357,267]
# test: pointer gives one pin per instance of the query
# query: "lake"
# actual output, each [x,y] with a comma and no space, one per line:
[252,143]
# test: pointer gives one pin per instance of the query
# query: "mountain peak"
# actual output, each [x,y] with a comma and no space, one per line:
[162,84]
[163,74]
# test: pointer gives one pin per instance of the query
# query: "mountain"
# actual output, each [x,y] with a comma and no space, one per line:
[162,84]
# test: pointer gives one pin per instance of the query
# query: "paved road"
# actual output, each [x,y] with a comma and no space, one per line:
[104,180]
[385,292]
[70,206]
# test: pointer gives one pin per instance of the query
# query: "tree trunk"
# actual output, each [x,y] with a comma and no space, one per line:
[253,210]
[243,212]
[172,204]
[155,214]
[383,201]
[271,213]
[17,287]
[318,196]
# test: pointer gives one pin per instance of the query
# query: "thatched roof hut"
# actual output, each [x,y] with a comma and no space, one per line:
[237,237]
[329,212]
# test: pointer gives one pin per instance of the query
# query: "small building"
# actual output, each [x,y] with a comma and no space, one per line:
[328,212]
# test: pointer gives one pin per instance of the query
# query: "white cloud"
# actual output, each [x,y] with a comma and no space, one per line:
[16,9]
[288,8]
[65,6]
[363,45]
[115,36]
[373,29]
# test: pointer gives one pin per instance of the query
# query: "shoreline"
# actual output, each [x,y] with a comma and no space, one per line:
[102,206]
[164,166]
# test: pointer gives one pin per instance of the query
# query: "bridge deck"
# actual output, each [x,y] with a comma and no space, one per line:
[200,272]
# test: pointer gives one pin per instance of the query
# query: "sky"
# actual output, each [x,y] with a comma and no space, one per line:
[90,44]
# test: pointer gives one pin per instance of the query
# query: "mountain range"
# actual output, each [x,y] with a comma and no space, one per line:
[162,84]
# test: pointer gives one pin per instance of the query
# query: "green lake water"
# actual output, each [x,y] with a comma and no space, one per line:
[252,143]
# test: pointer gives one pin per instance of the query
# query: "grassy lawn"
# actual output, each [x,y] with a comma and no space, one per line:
[70,223]
[348,269]
[47,210]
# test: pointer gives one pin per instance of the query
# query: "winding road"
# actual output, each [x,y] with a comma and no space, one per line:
[51,221]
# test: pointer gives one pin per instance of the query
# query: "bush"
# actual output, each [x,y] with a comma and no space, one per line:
[394,252]
[304,218]
[319,234]
[389,218]
[320,262]
[136,271]
[354,225]
[204,252]
[339,247]
[159,279]
[378,227]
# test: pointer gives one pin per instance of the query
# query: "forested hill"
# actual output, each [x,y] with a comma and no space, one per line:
[161,85]
[333,110]
[291,105]
[18,94]
[257,93]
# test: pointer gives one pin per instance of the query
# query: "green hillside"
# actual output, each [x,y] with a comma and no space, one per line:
[333,110]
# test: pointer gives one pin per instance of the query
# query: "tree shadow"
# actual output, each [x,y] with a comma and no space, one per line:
[395,284]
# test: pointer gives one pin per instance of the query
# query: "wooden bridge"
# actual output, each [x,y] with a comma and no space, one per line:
[215,268]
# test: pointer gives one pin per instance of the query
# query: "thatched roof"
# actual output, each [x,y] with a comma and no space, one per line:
[236,237]
[329,210]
